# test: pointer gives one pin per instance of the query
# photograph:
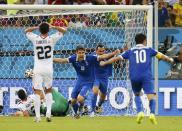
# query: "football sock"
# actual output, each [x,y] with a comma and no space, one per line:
[37,105]
[48,98]
[152,104]
[100,102]
[75,108]
[139,104]
[93,101]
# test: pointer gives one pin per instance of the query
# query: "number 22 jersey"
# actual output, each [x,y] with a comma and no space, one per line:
[43,50]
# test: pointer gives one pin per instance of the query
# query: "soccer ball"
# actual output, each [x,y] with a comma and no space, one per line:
[29,73]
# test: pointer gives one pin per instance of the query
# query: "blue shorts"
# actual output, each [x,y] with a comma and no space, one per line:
[81,88]
[146,85]
[102,84]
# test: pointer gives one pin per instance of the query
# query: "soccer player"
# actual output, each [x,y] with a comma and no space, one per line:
[102,74]
[84,66]
[60,106]
[140,59]
[43,63]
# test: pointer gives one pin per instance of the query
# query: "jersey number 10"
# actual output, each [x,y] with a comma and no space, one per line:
[140,56]
[43,52]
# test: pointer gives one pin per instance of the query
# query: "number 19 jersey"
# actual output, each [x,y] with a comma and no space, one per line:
[43,50]
[140,61]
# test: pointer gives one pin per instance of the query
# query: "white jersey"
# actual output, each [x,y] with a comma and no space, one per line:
[43,51]
[27,105]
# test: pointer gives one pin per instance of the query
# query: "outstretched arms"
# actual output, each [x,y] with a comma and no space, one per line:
[61,60]
[109,55]
[163,57]
[110,61]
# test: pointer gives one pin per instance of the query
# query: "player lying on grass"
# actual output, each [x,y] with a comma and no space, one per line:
[102,74]
[60,106]
[140,61]
[43,63]
[84,66]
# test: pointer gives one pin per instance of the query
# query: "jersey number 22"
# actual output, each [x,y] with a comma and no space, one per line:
[43,52]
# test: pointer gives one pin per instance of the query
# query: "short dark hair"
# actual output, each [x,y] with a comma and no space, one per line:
[44,28]
[22,94]
[100,46]
[80,47]
[140,38]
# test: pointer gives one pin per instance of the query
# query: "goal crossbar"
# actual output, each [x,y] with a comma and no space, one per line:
[75,7]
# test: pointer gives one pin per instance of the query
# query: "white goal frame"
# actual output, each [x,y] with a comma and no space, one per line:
[147,8]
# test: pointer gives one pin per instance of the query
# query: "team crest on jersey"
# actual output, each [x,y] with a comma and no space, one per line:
[82,68]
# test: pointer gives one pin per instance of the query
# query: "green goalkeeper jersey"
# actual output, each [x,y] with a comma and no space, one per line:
[60,106]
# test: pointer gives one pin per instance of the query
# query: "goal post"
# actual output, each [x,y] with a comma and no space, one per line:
[115,26]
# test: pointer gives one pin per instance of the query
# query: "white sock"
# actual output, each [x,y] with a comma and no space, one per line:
[37,106]
[48,98]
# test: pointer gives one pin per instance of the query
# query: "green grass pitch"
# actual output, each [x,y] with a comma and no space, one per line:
[90,124]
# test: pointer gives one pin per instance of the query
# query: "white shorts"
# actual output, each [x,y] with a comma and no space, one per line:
[42,80]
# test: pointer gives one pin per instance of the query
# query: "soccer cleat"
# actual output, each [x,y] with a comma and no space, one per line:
[98,109]
[85,110]
[37,119]
[153,119]
[140,117]
[92,114]
[76,116]
[48,119]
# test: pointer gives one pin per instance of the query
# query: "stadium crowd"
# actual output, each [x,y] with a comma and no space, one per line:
[170,11]
[75,2]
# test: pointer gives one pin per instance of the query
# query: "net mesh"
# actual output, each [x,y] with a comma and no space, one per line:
[116,30]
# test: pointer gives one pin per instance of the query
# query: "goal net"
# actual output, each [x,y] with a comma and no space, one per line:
[113,26]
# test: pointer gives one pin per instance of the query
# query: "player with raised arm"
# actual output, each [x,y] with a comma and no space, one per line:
[84,66]
[102,74]
[140,61]
[43,63]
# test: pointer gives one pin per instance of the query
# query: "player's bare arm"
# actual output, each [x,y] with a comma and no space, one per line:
[61,60]
[31,29]
[109,55]
[60,29]
[163,57]
[110,61]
